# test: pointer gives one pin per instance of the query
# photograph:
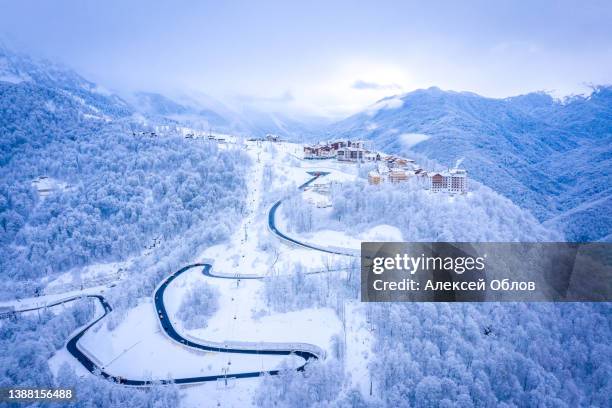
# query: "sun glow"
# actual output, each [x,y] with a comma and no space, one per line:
[351,86]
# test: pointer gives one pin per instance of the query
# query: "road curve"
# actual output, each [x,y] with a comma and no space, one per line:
[219,347]
[275,230]
[91,366]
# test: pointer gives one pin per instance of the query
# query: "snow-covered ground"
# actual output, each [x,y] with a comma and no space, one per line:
[327,238]
[238,317]
[139,339]
[339,239]
[46,300]
[335,238]
[359,339]
[88,276]
[138,349]
[243,314]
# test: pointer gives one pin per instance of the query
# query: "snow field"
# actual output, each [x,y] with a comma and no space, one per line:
[138,349]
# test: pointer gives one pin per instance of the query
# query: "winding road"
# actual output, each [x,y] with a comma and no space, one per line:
[275,230]
[307,352]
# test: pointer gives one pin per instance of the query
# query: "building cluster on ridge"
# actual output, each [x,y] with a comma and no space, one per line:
[452,181]
[389,168]
[342,150]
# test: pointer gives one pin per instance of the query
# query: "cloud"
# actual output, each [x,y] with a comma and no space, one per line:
[361,84]
[391,102]
[286,96]
[411,139]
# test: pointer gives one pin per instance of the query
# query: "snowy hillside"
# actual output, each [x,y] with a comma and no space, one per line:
[550,157]
[268,292]
[481,216]
[21,74]
[118,192]
[21,70]
[188,112]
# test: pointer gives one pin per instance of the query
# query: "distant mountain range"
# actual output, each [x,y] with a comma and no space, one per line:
[205,112]
[198,111]
[552,157]
[20,70]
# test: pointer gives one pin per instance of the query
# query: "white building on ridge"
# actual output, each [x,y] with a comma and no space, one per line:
[453,181]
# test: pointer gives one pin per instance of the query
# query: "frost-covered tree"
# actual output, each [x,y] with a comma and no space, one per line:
[29,342]
[482,215]
[317,385]
[198,305]
[491,354]
[116,192]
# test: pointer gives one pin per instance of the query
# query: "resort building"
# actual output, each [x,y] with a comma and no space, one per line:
[453,181]
[399,162]
[353,154]
[345,150]
[372,156]
[398,176]
[384,174]
[374,177]
[340,143]
[319,151]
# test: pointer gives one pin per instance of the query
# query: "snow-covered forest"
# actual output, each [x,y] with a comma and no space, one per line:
[468,355]
[121,192]
[198,305]
[483,215]
[27,343]
[492,354]
[448,354]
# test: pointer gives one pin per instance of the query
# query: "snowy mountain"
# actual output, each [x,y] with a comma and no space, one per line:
[204,112]
[59,127]
[23,75]
[190,112]
[41,102]
[286,126]
[18,70]
[552,157]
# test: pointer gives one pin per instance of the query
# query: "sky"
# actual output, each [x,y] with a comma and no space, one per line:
[328,58]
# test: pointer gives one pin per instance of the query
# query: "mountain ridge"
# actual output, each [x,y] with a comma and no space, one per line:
[548,156]
[196,110]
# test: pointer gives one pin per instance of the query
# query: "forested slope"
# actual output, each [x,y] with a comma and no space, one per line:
[548,156]
[116,190]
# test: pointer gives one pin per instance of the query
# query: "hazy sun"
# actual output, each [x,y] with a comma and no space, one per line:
[352,85]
